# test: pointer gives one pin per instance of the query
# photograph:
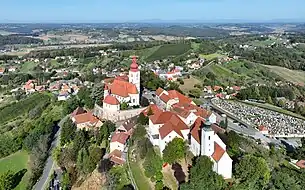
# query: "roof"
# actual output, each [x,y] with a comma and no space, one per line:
[119,137]
[195,129]
[161,117]
[122,88]
[187,107]
[123,78]
[2,70]
[111,100]
[182,112]
[159,91]
[116,157]
[218,152]
[77,111]
[301,163]
[216,88]
[165,98]
[86,118]
[130,123]
[171,123]
[173,94]
[262,128]
[154,108]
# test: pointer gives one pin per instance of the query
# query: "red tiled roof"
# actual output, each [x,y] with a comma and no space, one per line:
[182,112]
[172,123]
[85,118]
[195,132]
[161,117]
[111,100]
[116,153]
[77,111]
[262,128]
[159,91]
[116,157]
[218,152]
[122,88]
[154,108]
[217,129]
[123,78]
[193,108]
[2,70]
[301,163]
[216,88]
[165,98]
[173,94]
[120,137]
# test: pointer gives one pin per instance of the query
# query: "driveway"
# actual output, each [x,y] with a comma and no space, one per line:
[42,183]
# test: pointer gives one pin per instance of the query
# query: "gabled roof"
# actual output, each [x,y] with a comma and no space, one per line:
[195,129]
[165,98]
[161,118]
[116,157]
[159,91]
[77,111]
[171,123]
[122,88]
[86,118]
[218,152]
[119,137]
[154,108]
[187,107]
[173,94]
[111,100]
[130,123]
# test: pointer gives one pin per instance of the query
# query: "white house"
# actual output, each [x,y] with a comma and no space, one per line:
[205,141]
[86,121]
[118,141]
[111,103]
[164,127]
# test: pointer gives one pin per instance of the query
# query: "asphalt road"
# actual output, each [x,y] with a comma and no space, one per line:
[42,183]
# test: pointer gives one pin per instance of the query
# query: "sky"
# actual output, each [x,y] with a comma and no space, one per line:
[141,10]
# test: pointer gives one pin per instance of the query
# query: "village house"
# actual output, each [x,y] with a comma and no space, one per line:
[164,127]
[2,70]
[168,98]
[118,141]
[85,120]
[205,141]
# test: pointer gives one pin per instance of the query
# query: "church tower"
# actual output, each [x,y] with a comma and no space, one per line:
[134,73]
[207,139]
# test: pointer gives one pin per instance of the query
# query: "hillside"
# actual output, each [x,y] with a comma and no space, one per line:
[296,76]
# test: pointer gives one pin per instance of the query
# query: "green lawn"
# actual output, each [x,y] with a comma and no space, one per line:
[211,56]
[28,66]
[139,176]
[15,162]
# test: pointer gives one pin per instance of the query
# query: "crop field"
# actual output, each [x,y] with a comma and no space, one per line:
[169,50]
[288,74]
[28,66]
[211,56]
[16,162]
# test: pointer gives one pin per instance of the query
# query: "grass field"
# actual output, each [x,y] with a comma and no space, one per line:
[28,67]
[189,84]
[287,74]
[169,50]
[139,176]
[15,162]
[210,56]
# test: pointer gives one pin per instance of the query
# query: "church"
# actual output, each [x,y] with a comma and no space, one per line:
[123,89]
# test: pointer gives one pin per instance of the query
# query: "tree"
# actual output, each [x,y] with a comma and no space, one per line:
[174,150]
[142,119]
[7,180]
[282,181]
[253,172]
[203,177]
[68,132]
[124,106]
[195,93]
[71,104]
[84,95]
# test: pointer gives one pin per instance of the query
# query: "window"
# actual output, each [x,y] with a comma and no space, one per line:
[133,100]
[209,137]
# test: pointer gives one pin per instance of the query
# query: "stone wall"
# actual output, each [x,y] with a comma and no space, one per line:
[117,115]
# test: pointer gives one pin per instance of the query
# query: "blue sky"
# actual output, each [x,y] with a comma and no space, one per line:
[138,10]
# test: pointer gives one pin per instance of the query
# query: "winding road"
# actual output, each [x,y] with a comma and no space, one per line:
[48,168]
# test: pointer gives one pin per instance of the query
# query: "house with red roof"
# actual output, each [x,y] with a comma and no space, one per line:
[205,141]
[29,86]
[169,98]
[116,157]
[153,108]
[263,130]
[123,89]
[118,141]
[2,70]
[164,127]
[111,103]
[86,121]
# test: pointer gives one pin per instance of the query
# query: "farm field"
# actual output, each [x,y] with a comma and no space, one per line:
[28,66]
[16,162]
[211,56]
[169,50]
[287,74]
[189,84]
